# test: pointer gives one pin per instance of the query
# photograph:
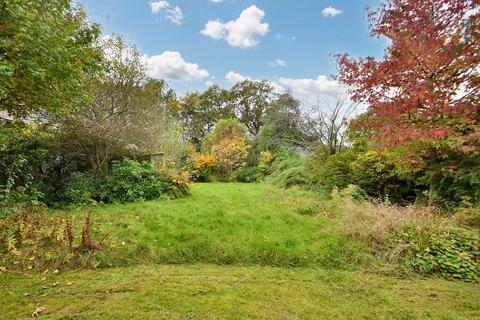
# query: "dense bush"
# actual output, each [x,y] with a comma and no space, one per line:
[26,162]
[265,162]
[230,155]
[249,174]
[203,167]
[80,188]
[333,171]
[288,169]
[384,175]
[132,181]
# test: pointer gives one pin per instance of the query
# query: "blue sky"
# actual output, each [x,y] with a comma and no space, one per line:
[194,43]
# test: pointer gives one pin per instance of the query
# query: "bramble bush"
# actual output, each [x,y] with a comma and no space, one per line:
[418,237]
[453,253]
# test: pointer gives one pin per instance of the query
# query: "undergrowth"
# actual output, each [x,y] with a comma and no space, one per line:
[34,239]
[418,238]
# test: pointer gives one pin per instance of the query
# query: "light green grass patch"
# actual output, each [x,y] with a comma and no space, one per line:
[233,292]
[226,224]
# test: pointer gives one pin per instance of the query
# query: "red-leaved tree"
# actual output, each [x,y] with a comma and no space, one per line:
[427,86]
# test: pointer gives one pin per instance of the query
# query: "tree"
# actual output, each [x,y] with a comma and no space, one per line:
[224,128]
[428,83]
[425,92]
[230,154]
[199,112]
[47,51]
[227,143]
[128,112]
[282,124]
[249,101]
[326,126]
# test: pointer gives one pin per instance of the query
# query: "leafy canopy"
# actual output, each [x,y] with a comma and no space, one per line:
[47,51]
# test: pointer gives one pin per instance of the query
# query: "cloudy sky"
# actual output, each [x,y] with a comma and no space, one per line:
[195,43]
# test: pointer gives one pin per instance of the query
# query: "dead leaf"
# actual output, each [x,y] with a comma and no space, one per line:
[37,311]
[69,283]
[56,283]
[27,294]
[55,271]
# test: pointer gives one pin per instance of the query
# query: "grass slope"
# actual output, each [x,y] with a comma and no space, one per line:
[233,246]
[225,224]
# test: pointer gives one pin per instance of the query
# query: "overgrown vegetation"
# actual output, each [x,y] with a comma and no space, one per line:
[392,190]
[33,239]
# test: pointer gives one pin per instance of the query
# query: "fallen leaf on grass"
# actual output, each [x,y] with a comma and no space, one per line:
[69,283]
[56,283]
[27,294]
[37,311]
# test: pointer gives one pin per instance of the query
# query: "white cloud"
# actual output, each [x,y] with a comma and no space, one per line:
[319,87]
[235,77]
[216,1]
[171,66]
[242,32]
[158,6]
[331,12]
[172,14]
[277,63]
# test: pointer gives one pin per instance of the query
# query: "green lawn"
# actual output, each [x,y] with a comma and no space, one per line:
[231,251]
[226,224]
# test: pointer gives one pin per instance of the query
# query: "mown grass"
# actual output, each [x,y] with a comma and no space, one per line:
[226,224]
[232,292]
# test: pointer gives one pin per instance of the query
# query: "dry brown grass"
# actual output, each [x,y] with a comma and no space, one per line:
[388,230]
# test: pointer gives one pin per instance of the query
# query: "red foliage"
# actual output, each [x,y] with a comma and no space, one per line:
[428,83]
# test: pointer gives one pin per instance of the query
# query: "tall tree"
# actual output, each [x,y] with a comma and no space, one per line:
[282,124]
[198,112]
[47,51]
[128,115]
[428,83]
[326,126]
[425,91]
[249,101]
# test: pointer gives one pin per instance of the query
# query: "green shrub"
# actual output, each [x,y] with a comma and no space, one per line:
[289,169]
[333,171]
[132,181]
[454,253]
[249,174]
[80,188]
[382,174]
